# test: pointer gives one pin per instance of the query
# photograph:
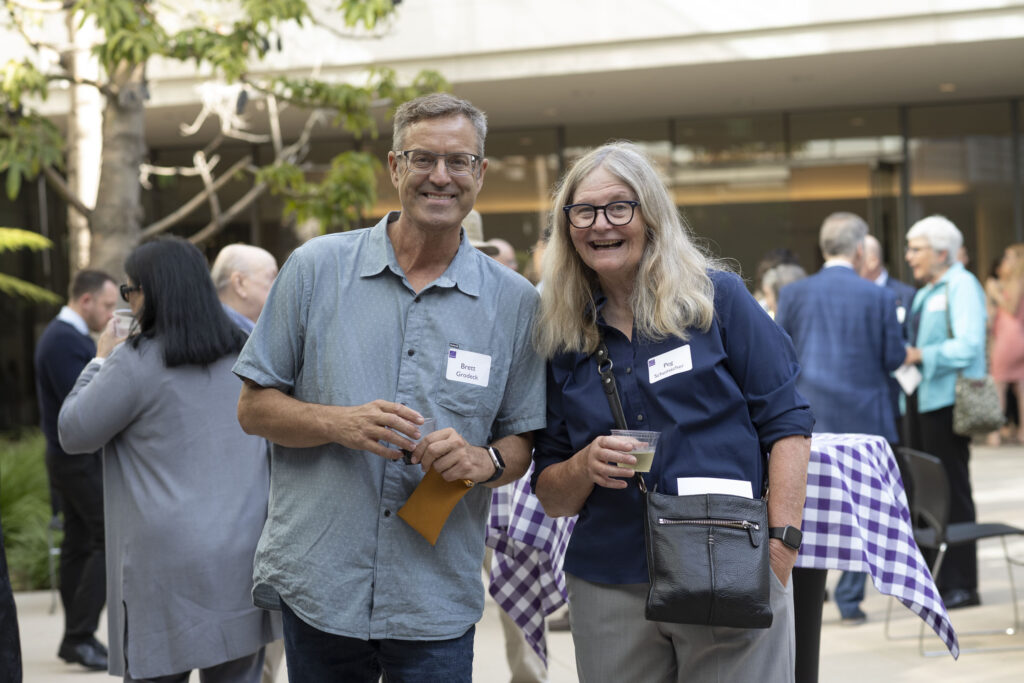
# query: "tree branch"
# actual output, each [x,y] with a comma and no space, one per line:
[238,207]
[102,87]
[191,205]
[64,191]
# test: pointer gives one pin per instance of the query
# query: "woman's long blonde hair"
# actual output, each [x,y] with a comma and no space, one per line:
[672,290]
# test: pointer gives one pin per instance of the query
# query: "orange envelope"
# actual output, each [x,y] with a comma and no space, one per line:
[432,502]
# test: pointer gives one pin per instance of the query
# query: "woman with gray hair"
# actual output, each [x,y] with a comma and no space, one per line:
[775,279]
[947,330]
[628,273]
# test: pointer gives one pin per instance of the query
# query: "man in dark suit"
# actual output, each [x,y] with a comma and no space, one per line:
[63,350]
[848,339]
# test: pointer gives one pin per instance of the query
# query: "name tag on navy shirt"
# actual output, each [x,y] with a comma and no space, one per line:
[468,367]
[670,363]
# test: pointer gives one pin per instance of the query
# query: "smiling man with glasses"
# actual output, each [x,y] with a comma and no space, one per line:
[364,335]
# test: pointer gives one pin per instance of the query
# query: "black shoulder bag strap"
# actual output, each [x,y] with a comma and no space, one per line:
[611,390]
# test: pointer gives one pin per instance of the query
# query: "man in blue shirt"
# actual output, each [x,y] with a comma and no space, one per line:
[63,350]
[364,334]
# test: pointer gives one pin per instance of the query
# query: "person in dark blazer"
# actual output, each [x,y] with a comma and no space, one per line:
[848,339]
[63,350]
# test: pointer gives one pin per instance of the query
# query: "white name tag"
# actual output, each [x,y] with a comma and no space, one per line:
[936,303]
[468,367]
[670,363]
[901,314]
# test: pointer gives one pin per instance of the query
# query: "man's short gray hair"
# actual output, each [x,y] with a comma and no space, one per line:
[940,233]
[841,234]
[436,106]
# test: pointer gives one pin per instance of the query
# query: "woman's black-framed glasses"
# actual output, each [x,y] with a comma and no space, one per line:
[128,289]
[583,216]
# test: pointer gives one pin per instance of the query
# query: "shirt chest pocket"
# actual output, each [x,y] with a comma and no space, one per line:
[472,384]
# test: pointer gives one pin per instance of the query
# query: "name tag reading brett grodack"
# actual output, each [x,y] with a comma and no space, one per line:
[468,367]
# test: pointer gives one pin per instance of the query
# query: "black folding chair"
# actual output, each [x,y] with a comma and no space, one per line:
[932,530]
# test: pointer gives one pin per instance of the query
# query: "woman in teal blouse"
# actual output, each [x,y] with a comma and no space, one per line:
[948,329]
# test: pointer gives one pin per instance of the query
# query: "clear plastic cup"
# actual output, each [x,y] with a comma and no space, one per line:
[124,322]
[644,446]
[425,428]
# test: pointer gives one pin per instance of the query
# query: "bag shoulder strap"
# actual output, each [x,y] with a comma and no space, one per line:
[611,391]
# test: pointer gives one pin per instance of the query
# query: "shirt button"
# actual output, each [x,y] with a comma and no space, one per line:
[411,352]
[639,418]
[387,513]
[629,371]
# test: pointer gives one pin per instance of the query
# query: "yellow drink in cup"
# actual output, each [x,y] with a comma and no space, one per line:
[644,445]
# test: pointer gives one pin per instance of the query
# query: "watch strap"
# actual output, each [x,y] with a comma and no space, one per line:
[498,462]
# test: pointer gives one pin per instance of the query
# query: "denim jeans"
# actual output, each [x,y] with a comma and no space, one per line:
[314,656]
[849,593]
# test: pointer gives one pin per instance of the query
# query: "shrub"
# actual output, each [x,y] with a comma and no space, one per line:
[25,508]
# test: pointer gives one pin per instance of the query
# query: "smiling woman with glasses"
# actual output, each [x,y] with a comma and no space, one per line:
[696,359]
[185,488]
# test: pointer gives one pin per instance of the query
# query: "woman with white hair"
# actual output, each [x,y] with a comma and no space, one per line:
[948,332]
[627,272]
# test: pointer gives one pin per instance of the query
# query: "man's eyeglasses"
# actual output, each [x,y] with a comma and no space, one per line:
[456,163]
[914,250]
[128,289]
[582,216]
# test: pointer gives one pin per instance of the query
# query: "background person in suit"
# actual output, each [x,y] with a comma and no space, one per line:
[847,340]
[243,275]
[63,350]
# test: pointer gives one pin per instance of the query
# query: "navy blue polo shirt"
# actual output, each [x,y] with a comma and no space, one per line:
[720,399]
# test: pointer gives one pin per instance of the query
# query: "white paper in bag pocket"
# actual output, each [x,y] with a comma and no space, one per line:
[691,486]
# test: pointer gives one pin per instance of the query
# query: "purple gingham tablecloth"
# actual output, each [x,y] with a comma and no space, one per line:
[527,580]
[856,519]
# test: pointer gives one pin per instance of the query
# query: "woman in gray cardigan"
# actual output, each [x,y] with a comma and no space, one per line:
[185,488]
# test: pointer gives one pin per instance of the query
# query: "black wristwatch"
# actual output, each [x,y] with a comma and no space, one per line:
[499,464]
[789,535]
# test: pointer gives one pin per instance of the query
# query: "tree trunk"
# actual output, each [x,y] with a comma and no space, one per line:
[116,221]
[85,135]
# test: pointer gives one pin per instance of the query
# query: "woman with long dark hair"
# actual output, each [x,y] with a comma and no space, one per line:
[185,488]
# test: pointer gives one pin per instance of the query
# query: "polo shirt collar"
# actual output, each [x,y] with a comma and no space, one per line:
[463,272]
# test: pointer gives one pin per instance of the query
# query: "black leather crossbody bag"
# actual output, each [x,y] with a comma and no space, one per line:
[707,554]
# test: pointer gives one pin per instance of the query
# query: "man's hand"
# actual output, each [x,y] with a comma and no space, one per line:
[447,452]
[365,427]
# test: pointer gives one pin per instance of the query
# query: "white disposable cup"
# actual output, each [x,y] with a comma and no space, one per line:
[123,322]
[644,445]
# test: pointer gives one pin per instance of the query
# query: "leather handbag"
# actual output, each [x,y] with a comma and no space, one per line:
[976,406]
[707,554]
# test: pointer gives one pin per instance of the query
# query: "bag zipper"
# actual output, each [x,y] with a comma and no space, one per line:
[746,525]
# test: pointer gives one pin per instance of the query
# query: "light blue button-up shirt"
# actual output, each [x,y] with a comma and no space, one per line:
[957,300]
[342,326]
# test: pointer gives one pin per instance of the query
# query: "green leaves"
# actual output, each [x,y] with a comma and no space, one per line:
[339,199]
[26,145]
[132,31]
[12,239]
[20,80]
[365,12]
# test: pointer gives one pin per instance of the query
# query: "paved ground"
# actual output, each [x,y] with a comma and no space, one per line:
[849,654]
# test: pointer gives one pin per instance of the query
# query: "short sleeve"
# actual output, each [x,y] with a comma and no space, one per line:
[272,357]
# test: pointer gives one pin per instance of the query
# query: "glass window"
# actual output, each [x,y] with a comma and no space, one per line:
[961,166]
